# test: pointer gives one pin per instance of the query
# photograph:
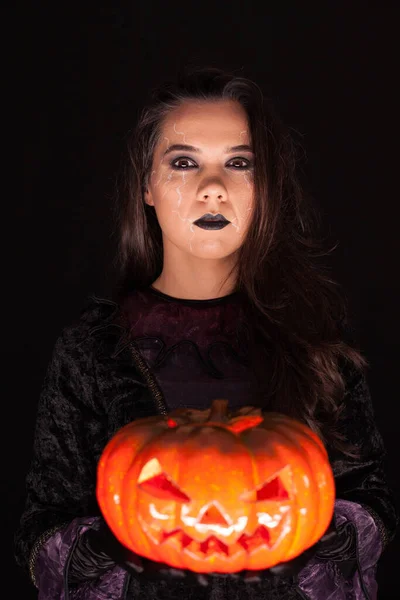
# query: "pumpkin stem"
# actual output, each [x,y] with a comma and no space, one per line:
[219,411]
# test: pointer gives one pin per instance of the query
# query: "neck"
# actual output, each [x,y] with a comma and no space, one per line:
[194,278]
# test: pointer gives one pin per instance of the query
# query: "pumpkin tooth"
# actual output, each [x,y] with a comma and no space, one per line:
[177,536]
[166,535]
[213,545]
[185,540]
[260,537]
[176,539]
[234,549]
[193,547]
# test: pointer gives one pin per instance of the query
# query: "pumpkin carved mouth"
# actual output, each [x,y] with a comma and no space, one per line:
[212,545]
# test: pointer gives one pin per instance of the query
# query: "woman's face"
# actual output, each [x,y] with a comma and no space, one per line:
[203,165]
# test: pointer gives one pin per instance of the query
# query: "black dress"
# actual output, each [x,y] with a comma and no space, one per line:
[152,354]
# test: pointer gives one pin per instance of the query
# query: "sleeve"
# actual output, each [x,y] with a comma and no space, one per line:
[362,480]
[69,435]
[364,500]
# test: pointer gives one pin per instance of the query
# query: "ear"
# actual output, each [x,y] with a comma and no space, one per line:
[148,197]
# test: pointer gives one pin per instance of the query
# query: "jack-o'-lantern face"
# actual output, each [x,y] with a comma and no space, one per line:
[209,518]
[222,496]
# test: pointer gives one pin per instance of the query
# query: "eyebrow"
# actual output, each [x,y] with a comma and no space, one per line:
[186,148]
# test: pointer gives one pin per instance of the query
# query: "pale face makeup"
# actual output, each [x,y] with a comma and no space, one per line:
[203,164]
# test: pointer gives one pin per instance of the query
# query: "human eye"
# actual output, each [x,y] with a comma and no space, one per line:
[240,163]
[183,163]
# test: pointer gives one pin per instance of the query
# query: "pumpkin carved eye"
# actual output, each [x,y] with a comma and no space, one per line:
[154,481]
[274,489]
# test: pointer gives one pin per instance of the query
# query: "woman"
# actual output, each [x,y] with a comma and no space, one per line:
[220,295]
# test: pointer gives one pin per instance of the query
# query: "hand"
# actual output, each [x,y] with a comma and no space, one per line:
[102,546]
[335,544]
[143,567]
[99,550]
[90,557]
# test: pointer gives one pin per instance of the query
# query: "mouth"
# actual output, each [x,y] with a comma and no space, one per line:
[212,545]
[209,221]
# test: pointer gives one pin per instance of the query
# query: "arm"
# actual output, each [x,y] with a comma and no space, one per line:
[362,480]
[69,436]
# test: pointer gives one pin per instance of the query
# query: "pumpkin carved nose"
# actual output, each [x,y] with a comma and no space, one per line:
[213,516]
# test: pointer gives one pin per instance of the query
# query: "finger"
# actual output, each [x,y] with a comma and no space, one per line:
[253,576]
[136,567]
[173,573]
[294,566]
[282,569]
[203,579]
[328,537]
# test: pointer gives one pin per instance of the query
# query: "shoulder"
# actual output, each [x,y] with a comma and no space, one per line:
[97,313]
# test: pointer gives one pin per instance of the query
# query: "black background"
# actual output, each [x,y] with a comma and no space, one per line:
[84,72]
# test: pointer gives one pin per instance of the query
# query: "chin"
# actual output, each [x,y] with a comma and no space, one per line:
[212,249]
[213,254]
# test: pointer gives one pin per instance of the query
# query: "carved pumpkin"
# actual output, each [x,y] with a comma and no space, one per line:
[206,491]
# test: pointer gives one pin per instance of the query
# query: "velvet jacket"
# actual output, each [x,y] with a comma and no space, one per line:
[98,381]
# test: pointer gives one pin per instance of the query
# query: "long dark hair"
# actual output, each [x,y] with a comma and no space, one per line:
[298,313]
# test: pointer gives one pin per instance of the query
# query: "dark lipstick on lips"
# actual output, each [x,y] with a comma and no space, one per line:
[209,221]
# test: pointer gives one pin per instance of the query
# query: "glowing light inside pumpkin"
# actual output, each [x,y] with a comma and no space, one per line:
[213,545]
[150,469]
[213,516]
[156,514]
[270,521]
[222,530]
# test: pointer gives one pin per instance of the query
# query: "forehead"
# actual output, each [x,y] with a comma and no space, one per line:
[207,122]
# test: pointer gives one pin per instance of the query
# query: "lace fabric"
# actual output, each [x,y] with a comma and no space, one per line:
[197,349]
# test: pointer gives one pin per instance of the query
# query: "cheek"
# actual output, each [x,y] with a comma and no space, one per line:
[170,191]
[165,181]
[241,191]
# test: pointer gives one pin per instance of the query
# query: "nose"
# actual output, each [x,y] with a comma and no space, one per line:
[213,516]
[208,196]
[213,189]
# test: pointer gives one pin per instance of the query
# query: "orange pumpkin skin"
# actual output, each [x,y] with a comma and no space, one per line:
[208,491]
